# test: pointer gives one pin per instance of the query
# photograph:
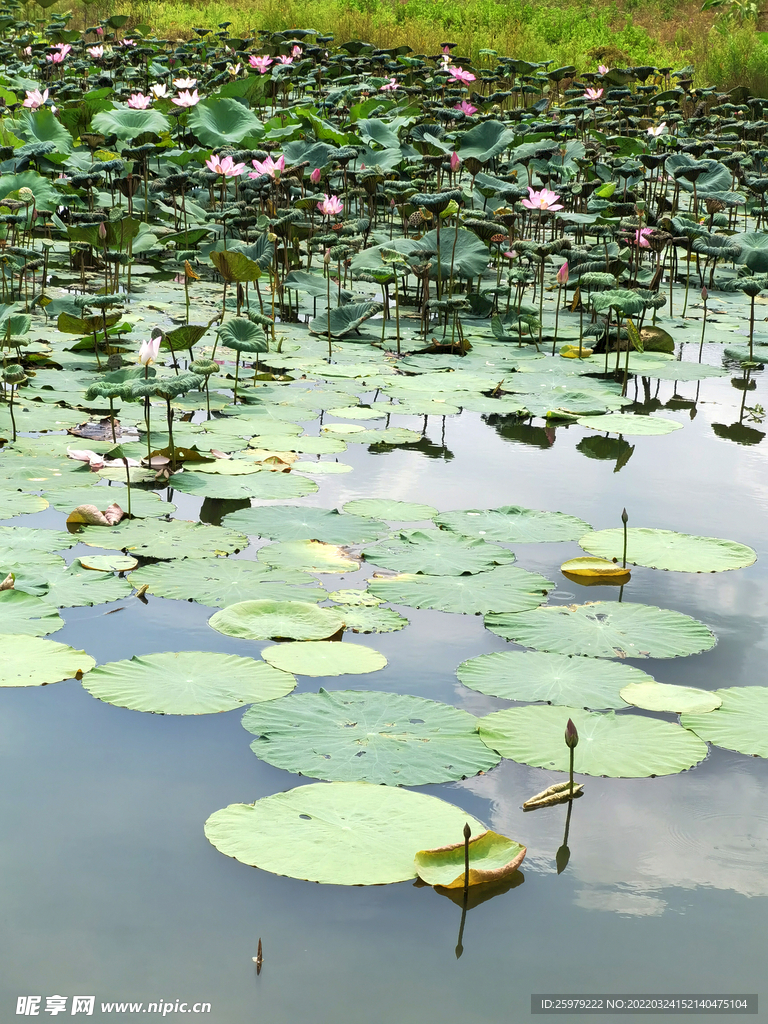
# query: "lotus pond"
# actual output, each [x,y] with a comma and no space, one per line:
[381,438]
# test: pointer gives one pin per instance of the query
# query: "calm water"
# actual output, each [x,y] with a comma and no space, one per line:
[112,890]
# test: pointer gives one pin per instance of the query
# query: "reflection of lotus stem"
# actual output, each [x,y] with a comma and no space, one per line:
[237,374]
[127,482]
[112,419]
[467,834]
[170,434]
[397,309]
[703,328]
[328,305]
[13,421]
[557,315]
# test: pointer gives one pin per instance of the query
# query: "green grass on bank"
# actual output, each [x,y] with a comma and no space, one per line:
[580,32]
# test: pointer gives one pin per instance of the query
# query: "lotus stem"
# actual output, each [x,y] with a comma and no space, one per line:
[624,519]
[467,835]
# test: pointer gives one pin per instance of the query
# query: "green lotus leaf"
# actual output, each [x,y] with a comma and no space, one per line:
[301,522]
[23,613]
[601,629]
[128,124]
[220,121]
[357,412]
[373,620]
[228,467]
[187,683]
[78,587]
[504,589]
[555,678]
[390,509]
[665,549]
[144,504]
[264,486]
[242,335]
[31,661]
[653,696]
[363,736]
[740,723]
[235,266]
[623,746]
[22,545]
[46,196]
[355,598]
[626,423]
[219,582]
[265,620]
[514,525]
[344,319]
[342,833]
[436,552]
[175,539]
[485,140]
[309,555]
[323,658]
[109,563]
[17,503]
[305,444]
[492,858]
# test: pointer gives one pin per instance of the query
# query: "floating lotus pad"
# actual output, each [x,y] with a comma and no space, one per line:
[175,539]
[437,553]
[602,629]
[324,658]
[264,620]
[264,486]
[390,509]
[594,570]
[555,678]
[740,723]
[630,425]
[22,545]
[144,504]
[187,683]
[665,549]
[109,563]
[653,696]
[364,736]
[24,613]
[222,581]
[492,858]
[74,586]
[514,524]
[18,503]
[342,833]
[624,746]
[31,661]
[296,522]
[310,555]
[373,620]
[507,588]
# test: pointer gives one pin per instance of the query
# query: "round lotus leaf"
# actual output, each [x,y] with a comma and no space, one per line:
[555,678]
[361,736]
[22,545]
[320,468]
[264,486]
[492,858]
[310,555]
[355,597]
[174,539]
[653,696]
[740,723]
[109,563]
[357,412]
[373,620]
[187,683]
[324,658]
[74,586]
[620,746]
[265,620]
[507,588]
[31,661]
[18,503]
[300,522]
[628,424]
[390,509]
[601,629]
[342,833]
[305,444]
[665,549]
[436,553]
[228,467]
[24,613]
[144,504]
[219,582]
[514,525]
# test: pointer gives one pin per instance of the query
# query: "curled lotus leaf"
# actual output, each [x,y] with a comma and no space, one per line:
[492,858]
[264,620]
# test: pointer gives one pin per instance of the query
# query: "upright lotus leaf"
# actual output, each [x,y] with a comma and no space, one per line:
[506,588]
[219,582]
[242,335]
[46,196]
[623,746]
[42,126]
[436,552]
[323,658]
[302,522]
[653,696]
[342,833]
[753,250]
[364,736]
[187,683]
[492,858]
[458,247]
[24,613]
[555,678]
[235,266]
[266,620]
[485,140]
[344,319]
[513,524]
[221,121]
[665,549]
[128,124]
[740,723]
[175,539]
[391,509]
[601,629]
[626,423]
[17,503]
[31,661]
[309,555]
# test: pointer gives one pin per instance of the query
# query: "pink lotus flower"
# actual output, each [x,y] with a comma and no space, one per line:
[269,166]
[602,69]
[545,199]
[149,350]
[562,275]
[455,162]
[285,60]
[315,176]
[60,56]
[389,85]
[35,99]
[593,94]
[186,99]
[446,49]
[260,63]
[127,42]
[139,101]
[641,237]
[227,166]
[460,75]
[296,51]
[234,69]
[656,132]
[330,206]
[97,52]
[185,83]
[466,108]
[159,91]
[99,31]
[27,51]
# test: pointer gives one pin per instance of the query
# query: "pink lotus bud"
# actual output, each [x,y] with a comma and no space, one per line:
[327,257]
[571,735]
[102,231]
[562,274]
[455,162]
[315,176]
[704,293]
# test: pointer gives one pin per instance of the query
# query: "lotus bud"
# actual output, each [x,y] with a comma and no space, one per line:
[562,274]
[624,516]
[704,293]
[102,231]
[315,176]
[571,735]
[455,162]
[327,257]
